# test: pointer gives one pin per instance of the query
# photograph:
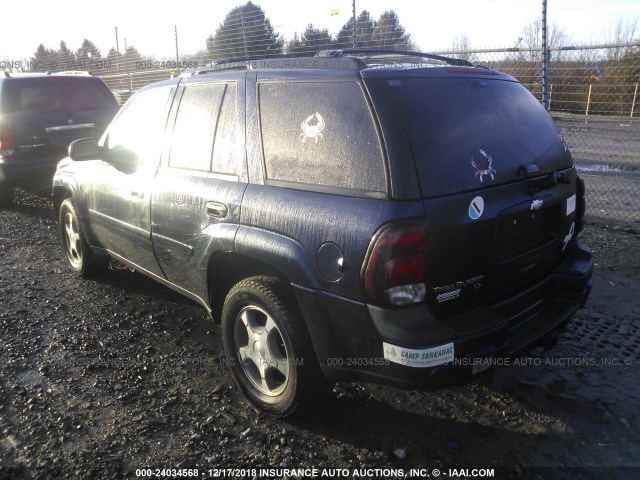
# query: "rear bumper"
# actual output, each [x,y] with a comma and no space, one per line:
[30,172]
[358,342]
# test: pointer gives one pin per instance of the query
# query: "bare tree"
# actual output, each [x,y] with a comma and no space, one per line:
[532,35]
[624,33]
[461,45]
[532,39]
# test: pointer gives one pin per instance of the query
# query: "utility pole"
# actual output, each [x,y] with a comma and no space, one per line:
[175,28]
[117,52]
[355,41]
[545,59]
[127,65]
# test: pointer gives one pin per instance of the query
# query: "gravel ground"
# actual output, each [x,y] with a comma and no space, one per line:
[100,378]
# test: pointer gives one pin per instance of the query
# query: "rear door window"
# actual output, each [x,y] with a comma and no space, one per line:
[195,127]
[226,147]
[469,133]
[320,134]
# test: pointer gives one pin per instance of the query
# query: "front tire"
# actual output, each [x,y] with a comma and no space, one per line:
[269,351]
[81,259]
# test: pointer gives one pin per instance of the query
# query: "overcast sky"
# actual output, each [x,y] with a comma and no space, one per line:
[433,25]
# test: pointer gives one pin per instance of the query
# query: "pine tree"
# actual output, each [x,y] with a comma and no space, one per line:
[310,42]
[245,32]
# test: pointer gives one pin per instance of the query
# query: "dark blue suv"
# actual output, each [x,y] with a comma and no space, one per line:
[375,216]
[40,115]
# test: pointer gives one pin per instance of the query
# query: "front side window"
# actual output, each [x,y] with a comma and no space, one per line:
[320,134]
[138,129]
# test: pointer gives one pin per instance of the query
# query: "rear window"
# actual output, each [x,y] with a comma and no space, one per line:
[469,133]
[320,134]
[49,94]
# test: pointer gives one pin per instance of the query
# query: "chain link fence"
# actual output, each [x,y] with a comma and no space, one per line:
[593,90]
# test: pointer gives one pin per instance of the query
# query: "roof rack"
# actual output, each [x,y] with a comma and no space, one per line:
[215,66]
[35,74]
[350,59]
[377,53]
[7,74]
[72,72]
[279,62]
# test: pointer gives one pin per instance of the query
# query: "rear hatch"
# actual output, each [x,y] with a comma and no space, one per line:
[47,113]
[496,178]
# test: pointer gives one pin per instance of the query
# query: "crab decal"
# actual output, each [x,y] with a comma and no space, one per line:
[312,130]
[481,172]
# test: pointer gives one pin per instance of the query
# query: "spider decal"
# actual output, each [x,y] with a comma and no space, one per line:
[481,172]
[314,130]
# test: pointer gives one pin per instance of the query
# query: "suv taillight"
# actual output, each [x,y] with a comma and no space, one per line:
[396,269]
[7,143]
[580,204]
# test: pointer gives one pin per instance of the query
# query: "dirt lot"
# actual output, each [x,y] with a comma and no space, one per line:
[100,378]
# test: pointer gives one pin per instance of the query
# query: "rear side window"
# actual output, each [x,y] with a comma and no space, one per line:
[320,134]
[195,127]
[51,94]
[470,133]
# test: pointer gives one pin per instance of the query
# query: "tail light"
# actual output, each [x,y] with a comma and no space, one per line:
[396,269]
[7,142]
[580,204]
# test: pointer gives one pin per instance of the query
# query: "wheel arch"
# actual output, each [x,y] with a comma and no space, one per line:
[257,252]
[60,194]
[226,269]
[65,187]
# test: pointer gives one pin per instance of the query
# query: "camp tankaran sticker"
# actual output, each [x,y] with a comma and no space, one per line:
[483,165]
[312,127]
[419,358]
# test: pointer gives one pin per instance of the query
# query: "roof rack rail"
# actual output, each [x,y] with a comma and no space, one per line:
[402,53]
[348,59]
[292,62]
[72,72]
[215,66]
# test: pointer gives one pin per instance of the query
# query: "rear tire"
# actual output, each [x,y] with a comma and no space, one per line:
[269,351]
[83,262]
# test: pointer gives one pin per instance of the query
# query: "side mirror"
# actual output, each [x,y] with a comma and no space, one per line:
[123,159]
[84,149]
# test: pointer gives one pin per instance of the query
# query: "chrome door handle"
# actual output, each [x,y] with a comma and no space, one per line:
[216,209]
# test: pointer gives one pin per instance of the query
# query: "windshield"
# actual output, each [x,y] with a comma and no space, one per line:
[468,133]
